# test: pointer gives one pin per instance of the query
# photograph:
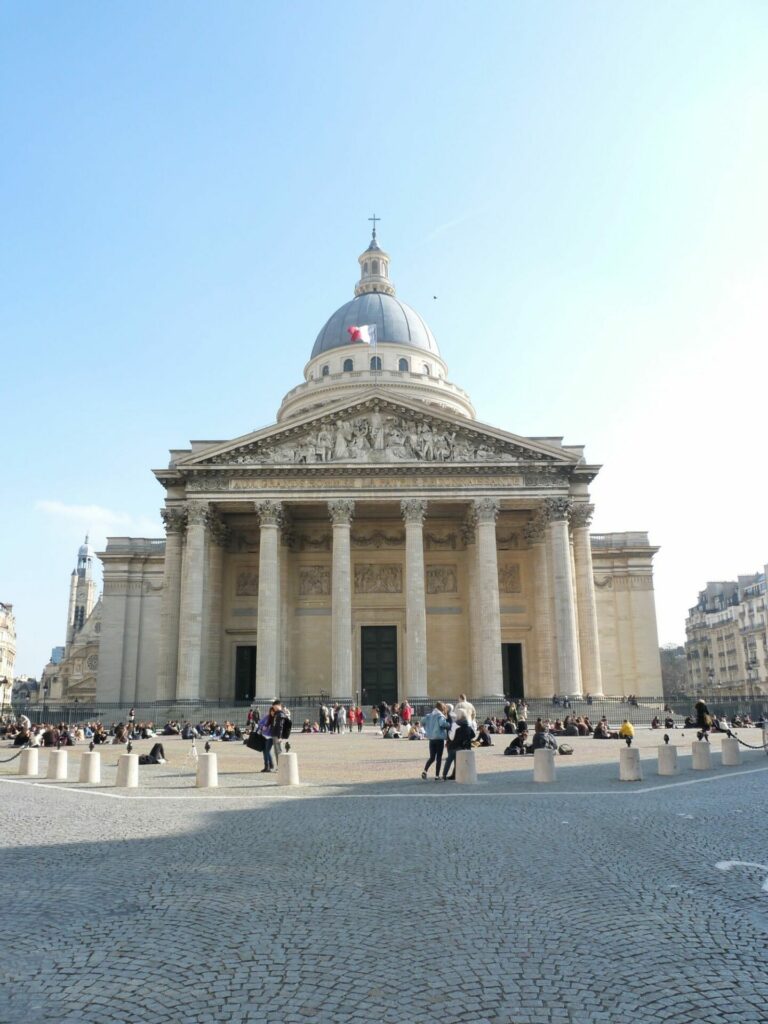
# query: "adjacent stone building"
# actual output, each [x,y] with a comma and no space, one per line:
[71,673]
[377,542]
[7,652]
[726,643]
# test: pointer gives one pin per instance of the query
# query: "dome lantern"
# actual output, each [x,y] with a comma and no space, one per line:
[374,268]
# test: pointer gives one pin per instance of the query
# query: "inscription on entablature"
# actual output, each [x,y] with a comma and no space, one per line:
[314,580]
[378,579]
[353,482]
[442,579]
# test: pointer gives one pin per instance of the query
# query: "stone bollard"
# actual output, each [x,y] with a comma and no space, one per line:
[629,765]
[57,765]
[466,768]
[730,752]
[702,756]
[127,771]
[29,761]
[207,771]
[288,770]
[543,765]
[90,767]
[667,760]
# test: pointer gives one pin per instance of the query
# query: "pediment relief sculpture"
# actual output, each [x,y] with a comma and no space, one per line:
[378,437]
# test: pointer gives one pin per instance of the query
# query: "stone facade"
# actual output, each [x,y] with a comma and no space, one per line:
[726,643]
[7,652]
[377,535]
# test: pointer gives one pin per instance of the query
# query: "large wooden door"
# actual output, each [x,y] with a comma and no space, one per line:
[245,672]
[512,670]
[378,661]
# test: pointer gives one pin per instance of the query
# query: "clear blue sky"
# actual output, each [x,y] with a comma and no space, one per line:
[185,189]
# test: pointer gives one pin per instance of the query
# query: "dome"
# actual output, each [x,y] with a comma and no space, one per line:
[396,323]
[85,551]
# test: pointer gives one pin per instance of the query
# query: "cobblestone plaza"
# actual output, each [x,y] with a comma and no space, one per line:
[369,895]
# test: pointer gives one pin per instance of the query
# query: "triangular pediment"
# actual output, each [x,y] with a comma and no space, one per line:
[377,429]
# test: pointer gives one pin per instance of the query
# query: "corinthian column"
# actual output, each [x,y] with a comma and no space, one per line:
[534,533]
[589,644]
[568,674]
[268,621]
[341,512]
[485,512]
[414,510]
[218,536]
[191,616]
[175,520]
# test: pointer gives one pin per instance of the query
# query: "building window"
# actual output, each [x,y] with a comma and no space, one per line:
[376,363]
[348,366]
[375,267]
[403,365]
[365,267]
[325,370]
[426,368]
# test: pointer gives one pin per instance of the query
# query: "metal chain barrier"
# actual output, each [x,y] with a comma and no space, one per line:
[7,760]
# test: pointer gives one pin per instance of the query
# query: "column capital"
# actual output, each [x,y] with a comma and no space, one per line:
[485,510]
[557,509]
[270,512]
[581,514]
[217,528]
[174,519]
[196,513]
[533,531]
[341,511]
[413,510]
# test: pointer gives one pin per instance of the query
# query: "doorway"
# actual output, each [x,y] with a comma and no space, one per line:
[378,664]
[512,670]
[245,672]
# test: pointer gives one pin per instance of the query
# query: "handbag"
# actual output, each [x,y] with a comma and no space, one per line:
[256,742]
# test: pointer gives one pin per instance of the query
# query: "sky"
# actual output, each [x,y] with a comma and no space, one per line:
[185,189]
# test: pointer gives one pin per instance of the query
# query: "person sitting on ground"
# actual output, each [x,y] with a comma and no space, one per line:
[557,728]
[21,739]
[484,737]
[155,756]
[315,727]
[519,745]
[571,727]
[669,723]
[543,738]
[307,726]
[655,722]
[391,732]
[603,731]
[121,734]
[626,730]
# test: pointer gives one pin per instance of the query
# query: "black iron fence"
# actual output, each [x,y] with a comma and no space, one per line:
[615,709]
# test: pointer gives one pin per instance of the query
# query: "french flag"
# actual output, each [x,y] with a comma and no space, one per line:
[366,333]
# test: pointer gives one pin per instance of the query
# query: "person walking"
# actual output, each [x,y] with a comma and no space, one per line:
[360,719]
[465,706]
[435,726]
[341,719]
[460,737]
